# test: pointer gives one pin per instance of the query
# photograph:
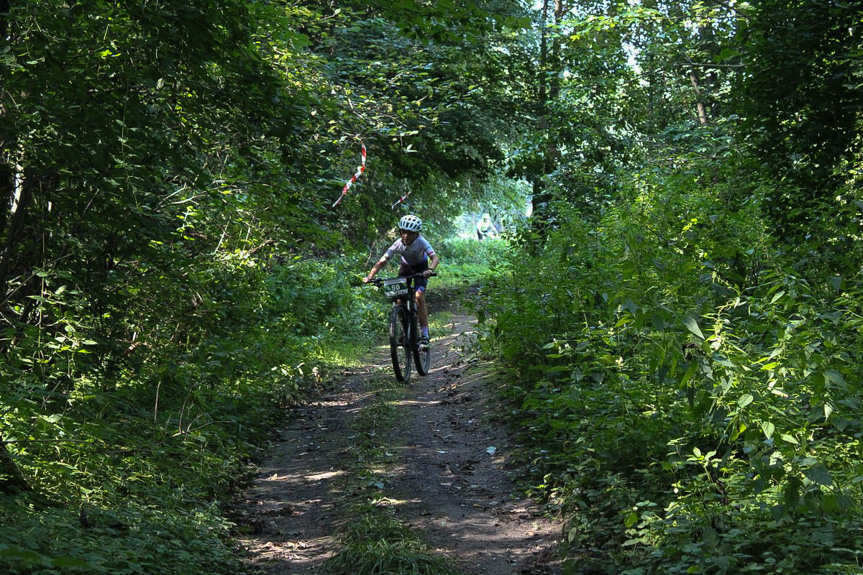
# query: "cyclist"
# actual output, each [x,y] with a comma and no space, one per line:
[416,256]
[485,228]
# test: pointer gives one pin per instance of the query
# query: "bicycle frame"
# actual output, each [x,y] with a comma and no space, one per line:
[404,329]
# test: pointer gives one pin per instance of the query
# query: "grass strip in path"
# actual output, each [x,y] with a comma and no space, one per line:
[374,540]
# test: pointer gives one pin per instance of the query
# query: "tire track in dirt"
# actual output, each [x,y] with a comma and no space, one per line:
[450,476]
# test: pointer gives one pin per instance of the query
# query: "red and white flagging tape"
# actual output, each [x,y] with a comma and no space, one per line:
[360,169]
[400,200]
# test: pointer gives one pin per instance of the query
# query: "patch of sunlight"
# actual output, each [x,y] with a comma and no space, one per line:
[390,502]
[324,476]
[414,402]
[300,477]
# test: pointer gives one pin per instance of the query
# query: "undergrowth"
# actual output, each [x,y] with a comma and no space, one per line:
[466,261]
[127,468]
[691,405]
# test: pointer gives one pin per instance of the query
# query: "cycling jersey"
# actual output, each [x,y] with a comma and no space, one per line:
[414,259]
[419,251]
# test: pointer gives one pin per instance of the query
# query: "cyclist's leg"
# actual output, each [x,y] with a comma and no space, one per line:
[422,311]
[419,298]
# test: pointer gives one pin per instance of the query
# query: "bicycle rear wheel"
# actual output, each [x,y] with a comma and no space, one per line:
[422,356]
[400,338]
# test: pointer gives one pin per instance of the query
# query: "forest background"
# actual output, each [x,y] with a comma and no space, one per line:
[679,319]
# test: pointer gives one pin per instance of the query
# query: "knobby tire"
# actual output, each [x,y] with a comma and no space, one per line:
[422,358]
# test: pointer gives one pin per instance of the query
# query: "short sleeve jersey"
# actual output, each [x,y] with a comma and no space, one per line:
[416,253]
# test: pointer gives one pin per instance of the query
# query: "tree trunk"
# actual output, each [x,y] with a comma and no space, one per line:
[21,196]
[11,480]
[549,90]
[5,8]
[699,101]
[543,59]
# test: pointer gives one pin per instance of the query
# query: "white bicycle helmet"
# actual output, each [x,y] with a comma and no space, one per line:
[410,223]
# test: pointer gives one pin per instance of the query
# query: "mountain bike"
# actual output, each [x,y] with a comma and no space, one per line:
[405,346]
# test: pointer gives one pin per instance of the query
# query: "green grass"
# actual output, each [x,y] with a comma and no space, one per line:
[377,542]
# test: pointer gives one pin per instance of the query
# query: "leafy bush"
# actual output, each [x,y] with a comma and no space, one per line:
[687,397]
[126,468]
[465,261]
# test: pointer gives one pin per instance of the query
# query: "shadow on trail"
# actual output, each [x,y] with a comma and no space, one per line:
[447,476]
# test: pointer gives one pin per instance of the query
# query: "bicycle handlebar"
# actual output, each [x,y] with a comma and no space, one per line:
[379,281]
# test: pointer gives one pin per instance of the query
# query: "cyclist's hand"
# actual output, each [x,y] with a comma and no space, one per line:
[366,280]
[427,273]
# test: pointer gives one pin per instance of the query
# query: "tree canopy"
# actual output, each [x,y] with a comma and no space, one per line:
[173,269]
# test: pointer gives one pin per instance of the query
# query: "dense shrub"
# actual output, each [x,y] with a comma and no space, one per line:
[127,470]
[688,395]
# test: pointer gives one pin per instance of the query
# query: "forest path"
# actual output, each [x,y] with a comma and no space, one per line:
[444,471]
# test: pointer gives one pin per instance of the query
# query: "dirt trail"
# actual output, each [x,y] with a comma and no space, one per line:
[450,476]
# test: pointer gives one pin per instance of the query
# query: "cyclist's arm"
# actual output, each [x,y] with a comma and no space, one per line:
[375,269]
[434,262]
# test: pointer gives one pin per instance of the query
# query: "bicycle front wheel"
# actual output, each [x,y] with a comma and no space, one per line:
[400,340]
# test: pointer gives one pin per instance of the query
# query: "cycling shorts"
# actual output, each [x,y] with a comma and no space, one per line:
[420,283]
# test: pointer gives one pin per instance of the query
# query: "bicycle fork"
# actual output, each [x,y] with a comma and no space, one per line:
[409,325]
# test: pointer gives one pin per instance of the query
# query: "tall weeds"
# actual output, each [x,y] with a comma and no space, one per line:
[689,391]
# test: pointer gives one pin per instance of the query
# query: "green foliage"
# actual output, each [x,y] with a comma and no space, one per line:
[685,390]
[465,261]
[801,127]
[172,273]
[139,458]
[434,121]
[138,539]
[376,542]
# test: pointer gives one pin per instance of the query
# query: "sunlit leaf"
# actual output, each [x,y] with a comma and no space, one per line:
[692,325]
[789,439]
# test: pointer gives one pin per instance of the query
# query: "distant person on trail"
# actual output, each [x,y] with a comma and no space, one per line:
[485,228]
[417,257]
